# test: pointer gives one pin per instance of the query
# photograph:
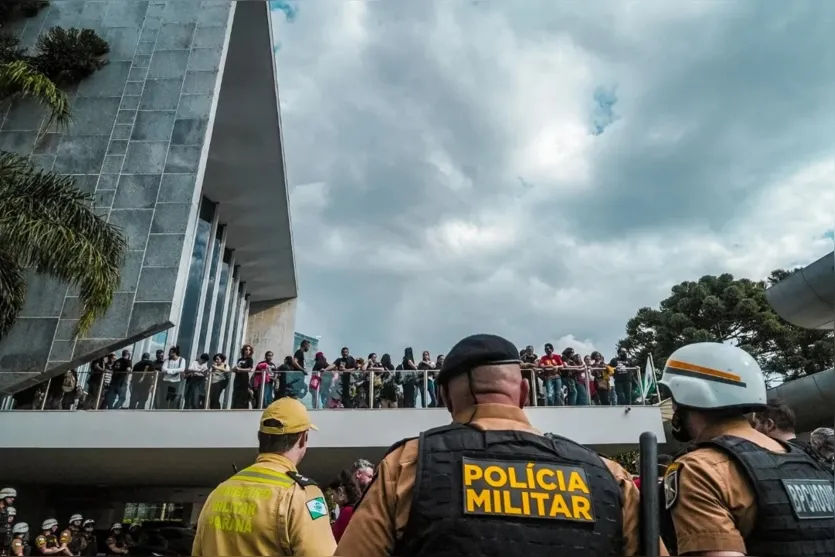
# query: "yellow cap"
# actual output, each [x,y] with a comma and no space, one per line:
[290,413]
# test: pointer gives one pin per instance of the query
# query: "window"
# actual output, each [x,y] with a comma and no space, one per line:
[217,325]
[208,304]
[188,316]
[228,344]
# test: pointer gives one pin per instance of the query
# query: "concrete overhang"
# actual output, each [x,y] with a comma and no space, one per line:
[245,172]
[198,448]
[807,298]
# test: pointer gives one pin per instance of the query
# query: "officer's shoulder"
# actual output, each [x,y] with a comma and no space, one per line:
[702,455]
[400,447]
[303,481]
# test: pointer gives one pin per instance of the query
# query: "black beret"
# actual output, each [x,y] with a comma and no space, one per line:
[475,351]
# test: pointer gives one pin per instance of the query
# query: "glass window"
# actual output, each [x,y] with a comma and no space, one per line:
[209,301]
[234,342]
[217,325]
[231,312]
[188,316]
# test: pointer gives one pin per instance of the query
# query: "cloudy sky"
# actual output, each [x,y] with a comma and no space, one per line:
[543,169]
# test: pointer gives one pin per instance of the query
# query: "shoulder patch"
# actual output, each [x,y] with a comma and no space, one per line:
[317,508]
[303,481]
[671,485]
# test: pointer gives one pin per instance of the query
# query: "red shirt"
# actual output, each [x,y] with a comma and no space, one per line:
[341,522]
[554,360]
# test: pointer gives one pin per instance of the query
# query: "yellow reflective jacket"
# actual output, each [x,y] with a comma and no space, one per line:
[265,509]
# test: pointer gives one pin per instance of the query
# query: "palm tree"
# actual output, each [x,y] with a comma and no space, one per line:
[48,225]
[19,79]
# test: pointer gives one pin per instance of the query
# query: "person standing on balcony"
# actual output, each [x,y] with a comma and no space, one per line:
[450,491]
[240,385]
[624,376]
[269,508]
[552,381]
[195,376]
[170,384]
[140,382]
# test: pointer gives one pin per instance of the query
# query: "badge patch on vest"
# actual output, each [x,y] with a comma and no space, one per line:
[811,499]
[317,507]
[526,490]
[671,485]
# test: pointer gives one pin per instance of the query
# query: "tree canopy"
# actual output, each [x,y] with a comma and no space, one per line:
[725,309]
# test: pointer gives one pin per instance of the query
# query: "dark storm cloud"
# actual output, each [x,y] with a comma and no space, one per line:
[404,117]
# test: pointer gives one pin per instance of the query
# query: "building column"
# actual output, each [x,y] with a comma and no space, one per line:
[271,326]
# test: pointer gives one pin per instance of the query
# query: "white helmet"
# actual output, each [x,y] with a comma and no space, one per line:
[76,518]
[20,528]
[8,492]
[116,526]
[89,522]
[49,523]
[712,375]
[11,511]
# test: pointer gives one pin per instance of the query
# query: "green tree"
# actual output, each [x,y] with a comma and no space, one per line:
[724,309]
[48,225]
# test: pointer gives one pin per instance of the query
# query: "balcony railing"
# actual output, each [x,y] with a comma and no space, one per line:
[352,389]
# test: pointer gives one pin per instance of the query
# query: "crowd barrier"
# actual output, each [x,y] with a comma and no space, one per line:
[148,390]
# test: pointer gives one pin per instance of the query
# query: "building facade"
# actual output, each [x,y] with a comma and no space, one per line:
[178,139]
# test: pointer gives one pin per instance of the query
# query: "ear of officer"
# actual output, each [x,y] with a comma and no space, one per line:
[269,508]
[711,490]
[491,483]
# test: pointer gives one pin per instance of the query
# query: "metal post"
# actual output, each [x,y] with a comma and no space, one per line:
[208,388]
[534,387]
[154,384]
[650,508]
[46,393]
[101,390]
[588,387]
[371,373]
[262,388]
[425,396]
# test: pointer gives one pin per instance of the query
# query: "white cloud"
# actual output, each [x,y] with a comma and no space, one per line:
[445,179]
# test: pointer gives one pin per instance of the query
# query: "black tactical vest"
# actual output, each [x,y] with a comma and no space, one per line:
[795,499]
[499,493]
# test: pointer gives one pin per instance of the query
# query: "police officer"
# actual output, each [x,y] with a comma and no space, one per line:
[90,546]
[269,508]
[7,499]
[47,542]
[71,535]
[115,542]
[737,491]
[490,483]
[132,537]
[20,541]
[6,533]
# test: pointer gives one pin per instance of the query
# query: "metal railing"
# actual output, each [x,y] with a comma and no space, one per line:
[221,389]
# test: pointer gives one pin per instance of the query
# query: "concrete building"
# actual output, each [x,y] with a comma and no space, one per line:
[179,139]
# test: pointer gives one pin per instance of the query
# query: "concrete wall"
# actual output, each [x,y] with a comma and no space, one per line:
[136,144]
[271,326]
[596,425]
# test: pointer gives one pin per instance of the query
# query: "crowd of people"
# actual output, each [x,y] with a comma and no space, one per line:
[168,381]
[750,487]
[77,538]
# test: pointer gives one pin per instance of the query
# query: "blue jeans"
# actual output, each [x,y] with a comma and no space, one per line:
[571,396]
[553,391]
[115,396]
[430,386]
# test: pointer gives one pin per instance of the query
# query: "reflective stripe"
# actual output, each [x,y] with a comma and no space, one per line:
[252,476]
[268,472]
